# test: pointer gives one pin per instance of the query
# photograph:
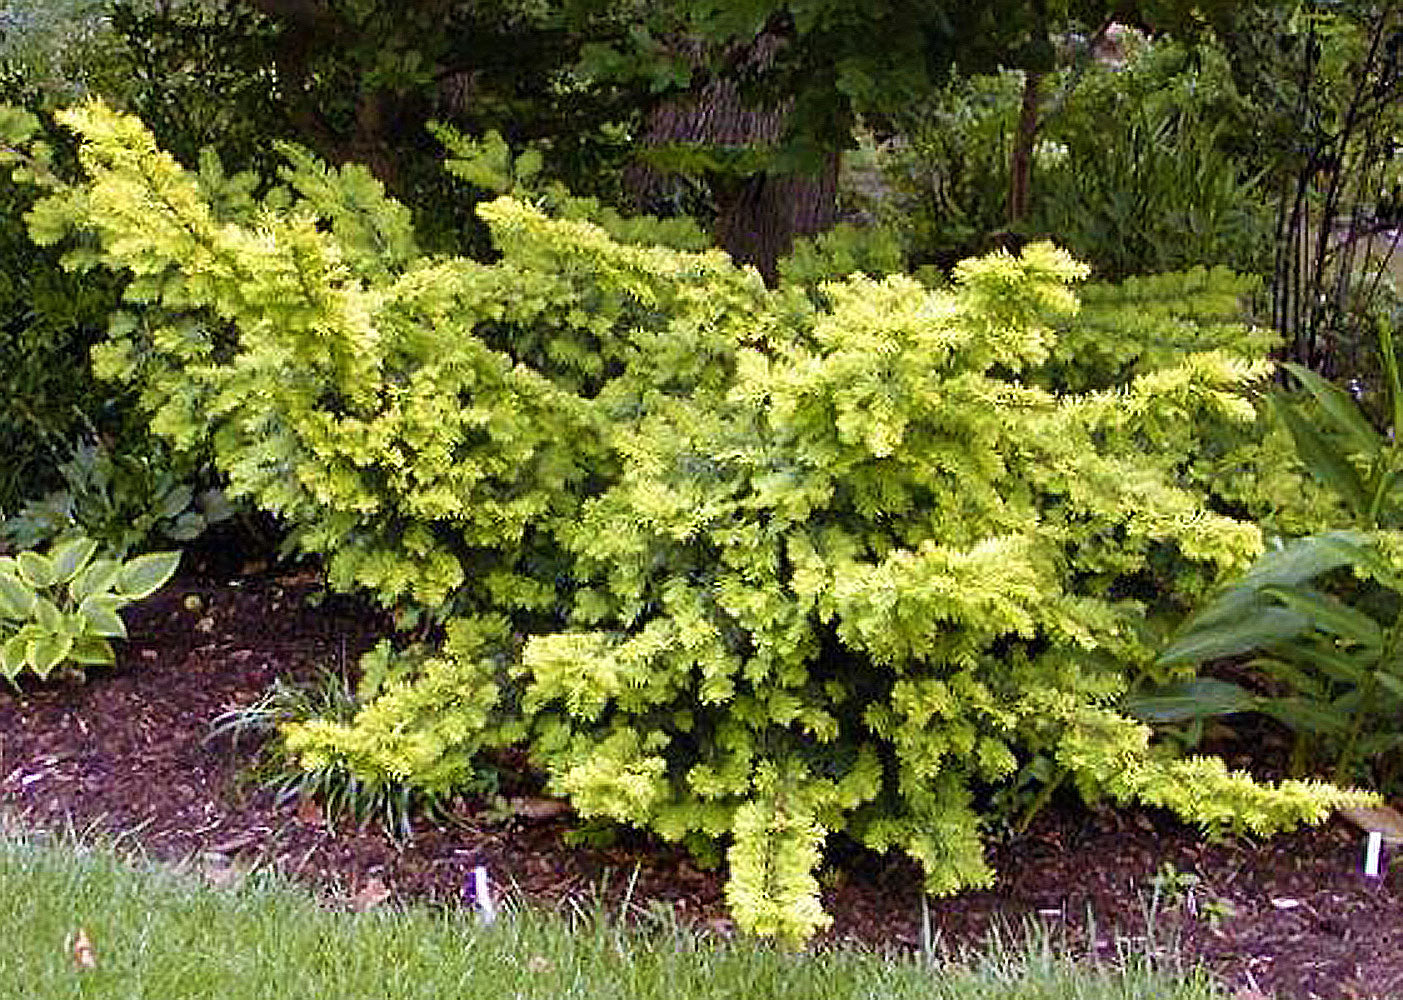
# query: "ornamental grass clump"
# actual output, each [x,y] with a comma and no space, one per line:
[744,567]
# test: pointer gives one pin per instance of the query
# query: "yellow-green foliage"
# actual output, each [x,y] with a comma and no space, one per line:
[735,564]
[1150,322]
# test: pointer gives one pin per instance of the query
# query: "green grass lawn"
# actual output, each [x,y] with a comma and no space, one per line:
[164,934]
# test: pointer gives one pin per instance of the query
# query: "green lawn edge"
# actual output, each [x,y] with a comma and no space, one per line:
[167,933]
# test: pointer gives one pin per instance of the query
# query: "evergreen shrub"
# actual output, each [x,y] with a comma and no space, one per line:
[744,567]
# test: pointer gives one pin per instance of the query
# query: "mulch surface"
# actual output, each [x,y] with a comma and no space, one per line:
[129,753]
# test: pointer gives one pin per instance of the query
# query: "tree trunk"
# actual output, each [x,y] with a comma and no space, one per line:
[759,215]
[308,29]
[1020,169]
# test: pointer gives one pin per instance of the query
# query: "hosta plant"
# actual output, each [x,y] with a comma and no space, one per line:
[745,567]
[125,501]
[59,609]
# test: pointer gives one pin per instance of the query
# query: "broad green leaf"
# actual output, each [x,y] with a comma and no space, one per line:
[1220,638]
[1323,460]
[12,655]
[1200,698]
[1366,557]
[215,506]
[99,612]
[1302,715]
[174,502]
[1354,701]
[1303,559]
[1378,744]
[1294,562]
[1330,614]
[16,598]
[70,557]
[48,651]
[99,578]
[1342,411]
[186,527]
[47,615]
[1331,662]
[36,570]
[145,575]
[1393,685]
[1307,683]
[91,650]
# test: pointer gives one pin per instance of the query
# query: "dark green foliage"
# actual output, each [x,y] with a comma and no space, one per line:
[1131,168]
[946,168]
[361,83]
[1329,643]
[49,320]
[1152,190]
[198,74]
[219,73]
[124,500]
[79,458]
[1320,113]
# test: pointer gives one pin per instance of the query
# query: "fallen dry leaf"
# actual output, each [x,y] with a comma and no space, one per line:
[308,811]
[528,808]
[300,579]
[83,954]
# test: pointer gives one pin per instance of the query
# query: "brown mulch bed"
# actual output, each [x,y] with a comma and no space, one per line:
[128,752]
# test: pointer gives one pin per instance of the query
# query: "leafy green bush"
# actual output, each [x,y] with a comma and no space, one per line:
[79,459]
[735,564]
[843,250]
[1333,661]
[388,800]
[49,318]
[946,170]
[1124,330]
[1150,180]
[1132,169]
[78,454]
[123,501]
[60,609]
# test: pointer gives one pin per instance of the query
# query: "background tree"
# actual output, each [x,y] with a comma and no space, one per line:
[773,90]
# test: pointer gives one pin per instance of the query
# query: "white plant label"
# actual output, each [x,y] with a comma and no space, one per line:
[482,894]
[1372,852]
